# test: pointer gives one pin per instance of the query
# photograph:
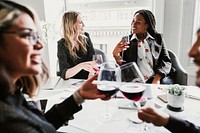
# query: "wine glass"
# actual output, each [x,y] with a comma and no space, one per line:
[108,81]
[99,60]
[126,42]
[134,92]
[132,88]
[131,73]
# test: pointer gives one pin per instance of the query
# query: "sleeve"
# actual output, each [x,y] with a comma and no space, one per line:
[60,113]
[177,125]
[163,65]
[62,58]
[18,126]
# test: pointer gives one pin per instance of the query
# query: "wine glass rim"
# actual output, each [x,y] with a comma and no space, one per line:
[136,69]
[138,86]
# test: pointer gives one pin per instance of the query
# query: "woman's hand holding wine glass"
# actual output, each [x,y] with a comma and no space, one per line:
[120,47]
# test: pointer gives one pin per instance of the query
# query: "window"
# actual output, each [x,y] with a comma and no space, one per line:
[108,20]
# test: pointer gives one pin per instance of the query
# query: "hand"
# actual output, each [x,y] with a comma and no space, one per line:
[156,79]
[88,66]
[156,82]
[89,90]
[119,48]
[154,116]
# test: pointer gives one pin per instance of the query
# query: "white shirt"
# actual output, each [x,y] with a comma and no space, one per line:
[145,59]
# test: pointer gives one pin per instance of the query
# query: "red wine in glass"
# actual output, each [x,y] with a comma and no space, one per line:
[132,91]
[107,88]
[133,95]
[109,92]
[107,82]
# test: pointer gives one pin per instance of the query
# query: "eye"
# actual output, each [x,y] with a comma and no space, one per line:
[25,34]
[138,22]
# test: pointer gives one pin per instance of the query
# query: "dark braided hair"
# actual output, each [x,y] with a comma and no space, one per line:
[150,20]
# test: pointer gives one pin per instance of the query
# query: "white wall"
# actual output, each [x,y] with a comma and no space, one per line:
[53,11]
[38,5]
[49,11]
[178,31]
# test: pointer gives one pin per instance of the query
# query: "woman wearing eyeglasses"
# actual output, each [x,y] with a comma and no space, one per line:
[22,70]
[75,49]
[147,49]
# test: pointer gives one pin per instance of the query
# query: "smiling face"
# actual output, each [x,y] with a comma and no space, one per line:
[79,25]
[138,25]
[18,53]
[195,54]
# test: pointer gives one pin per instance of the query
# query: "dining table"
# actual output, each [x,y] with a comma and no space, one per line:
[113,116]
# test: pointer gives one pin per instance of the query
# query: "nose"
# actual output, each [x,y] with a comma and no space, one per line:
[38,45]
[195,50]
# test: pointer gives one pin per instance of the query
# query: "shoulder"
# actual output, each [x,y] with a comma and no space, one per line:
[87,34]
[6,111]
[158,35]
[159,38]
[61,41]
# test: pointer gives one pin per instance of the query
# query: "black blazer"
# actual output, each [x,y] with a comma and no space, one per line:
[177,125]
[161,59]
[66,61]
[19,116]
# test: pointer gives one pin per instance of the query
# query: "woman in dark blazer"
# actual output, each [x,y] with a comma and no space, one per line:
[21,72]
[147,49]
[75,49]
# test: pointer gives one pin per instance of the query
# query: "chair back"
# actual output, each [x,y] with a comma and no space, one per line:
[181,76]
[58,73]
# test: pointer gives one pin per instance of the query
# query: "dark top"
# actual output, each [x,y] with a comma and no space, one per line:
[66,61]
[19,116]
[161,60]
[177,125]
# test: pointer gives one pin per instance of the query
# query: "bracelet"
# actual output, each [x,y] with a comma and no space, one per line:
[78,98]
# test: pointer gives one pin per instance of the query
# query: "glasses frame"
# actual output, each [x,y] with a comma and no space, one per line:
[33,37]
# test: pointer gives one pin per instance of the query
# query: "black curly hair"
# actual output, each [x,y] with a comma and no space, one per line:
[149,19]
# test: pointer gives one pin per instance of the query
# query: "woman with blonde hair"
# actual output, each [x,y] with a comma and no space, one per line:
[21,72]
[75,49]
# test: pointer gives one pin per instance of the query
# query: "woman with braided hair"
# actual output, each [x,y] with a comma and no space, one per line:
[147,49]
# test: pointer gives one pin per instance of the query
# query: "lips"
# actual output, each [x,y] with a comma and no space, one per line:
[36,59]
[198,71]
[197,62]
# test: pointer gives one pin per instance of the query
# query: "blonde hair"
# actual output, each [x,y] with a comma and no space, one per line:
[68,20]
[10,11]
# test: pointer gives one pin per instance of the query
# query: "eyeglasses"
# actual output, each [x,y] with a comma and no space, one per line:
[32,36]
